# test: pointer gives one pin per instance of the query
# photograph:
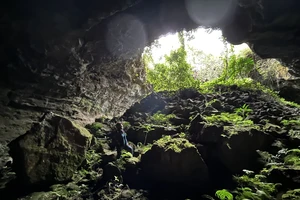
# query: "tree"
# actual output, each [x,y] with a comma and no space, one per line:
[176,73]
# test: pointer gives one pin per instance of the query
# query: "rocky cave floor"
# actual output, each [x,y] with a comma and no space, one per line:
[187,145]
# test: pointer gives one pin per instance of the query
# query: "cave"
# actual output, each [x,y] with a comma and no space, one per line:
[82,59]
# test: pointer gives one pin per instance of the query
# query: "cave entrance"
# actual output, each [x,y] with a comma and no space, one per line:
[202,49]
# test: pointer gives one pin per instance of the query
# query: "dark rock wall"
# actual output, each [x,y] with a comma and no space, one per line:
[79,59]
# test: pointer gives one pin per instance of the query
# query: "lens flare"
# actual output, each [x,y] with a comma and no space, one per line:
[210,12]
[126,36]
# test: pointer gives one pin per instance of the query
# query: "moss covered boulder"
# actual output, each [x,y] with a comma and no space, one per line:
[51,151]
[174,160]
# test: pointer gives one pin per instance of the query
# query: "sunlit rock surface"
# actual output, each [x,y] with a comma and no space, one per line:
[50,152]
[82,58]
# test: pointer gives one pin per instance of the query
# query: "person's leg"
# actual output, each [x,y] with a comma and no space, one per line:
[129,148]
[119,151]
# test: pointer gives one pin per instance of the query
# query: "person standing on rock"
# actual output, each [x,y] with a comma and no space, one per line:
[120,141]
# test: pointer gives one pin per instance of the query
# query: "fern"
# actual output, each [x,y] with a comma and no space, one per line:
[224,195]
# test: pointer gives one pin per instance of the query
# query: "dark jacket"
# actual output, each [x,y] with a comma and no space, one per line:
[119,138]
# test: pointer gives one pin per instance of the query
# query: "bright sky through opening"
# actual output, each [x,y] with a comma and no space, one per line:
[209,43]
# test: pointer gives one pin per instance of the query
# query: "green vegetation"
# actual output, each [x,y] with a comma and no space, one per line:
[121,162]
[255,187]
[243,111]
[175,144]
[224,195]
[143,148]
[238,120]
[211,102]
[292,122]
[228,118]
[95,128]
[161,119]
[175,73]
[291,194]
[126,125]
[237,67]
[244,70]
[292,157]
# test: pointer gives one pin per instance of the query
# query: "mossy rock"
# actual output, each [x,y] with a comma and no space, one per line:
[148,133]
[174,160]
[51,151]
[58,191]
[174,144]
[287,175]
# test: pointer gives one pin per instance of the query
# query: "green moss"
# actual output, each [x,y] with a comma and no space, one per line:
[244,84]
[161,119]
[292,157]
[95,128]
[143,148]
[229,118]
[292,194]
[86,104]
[269,126]
[236,129]
[126,125]
[83,131]
[126,160]
[146,127]
[175,144]
[292,122]
[182,135]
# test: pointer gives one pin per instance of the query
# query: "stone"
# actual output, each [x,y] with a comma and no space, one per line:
[210,134]
[174,161]
[290,89]
[239,151]
[111,171]
[150,104]
[108,156]
[141,134]
[51,151]
[287,175]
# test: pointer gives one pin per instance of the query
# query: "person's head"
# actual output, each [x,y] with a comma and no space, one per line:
[119,126]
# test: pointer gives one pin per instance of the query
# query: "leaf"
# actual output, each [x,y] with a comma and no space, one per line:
[224,195]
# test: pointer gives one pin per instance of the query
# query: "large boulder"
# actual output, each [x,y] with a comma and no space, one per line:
[239,150]
[51,151]
[174,160]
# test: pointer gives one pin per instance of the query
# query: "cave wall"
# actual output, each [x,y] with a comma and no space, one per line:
[82,59]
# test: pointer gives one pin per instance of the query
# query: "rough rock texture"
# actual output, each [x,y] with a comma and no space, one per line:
[51,151]
[174,161]
[239,151]
[290,90]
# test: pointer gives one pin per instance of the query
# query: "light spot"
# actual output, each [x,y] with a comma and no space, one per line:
[209,12]
[126,36]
